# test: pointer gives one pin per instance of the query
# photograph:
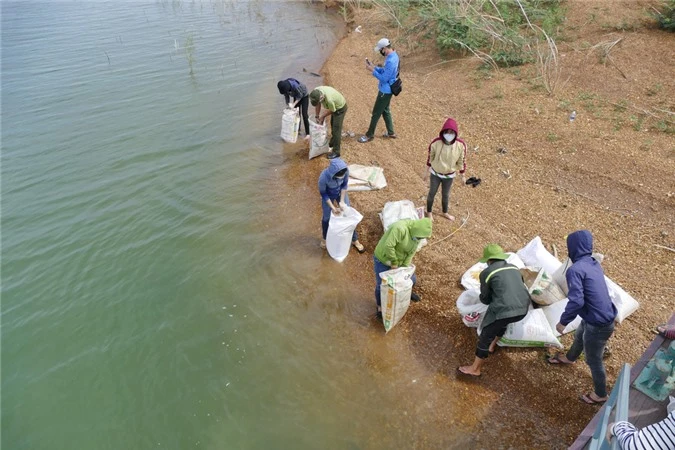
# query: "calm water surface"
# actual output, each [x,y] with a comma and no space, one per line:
[146,300]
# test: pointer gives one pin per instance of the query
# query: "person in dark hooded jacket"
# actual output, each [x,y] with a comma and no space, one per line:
[589,298]
[292,88]
[446,157]
[333,183]
[503,290]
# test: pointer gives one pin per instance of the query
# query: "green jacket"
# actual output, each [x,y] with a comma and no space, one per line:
[397,246]
[503,290]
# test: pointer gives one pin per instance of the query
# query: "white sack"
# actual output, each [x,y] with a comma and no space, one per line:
[319,137]
[535,254]
[543,290]
[470,308]
[400,210]
[532,331]
[553,313]
[395,211]
[290,124]
[559,276]
[340,231]
[624,302]
[470,279]
[366,178]
[395,294]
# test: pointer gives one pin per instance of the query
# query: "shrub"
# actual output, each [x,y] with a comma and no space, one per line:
[666,17]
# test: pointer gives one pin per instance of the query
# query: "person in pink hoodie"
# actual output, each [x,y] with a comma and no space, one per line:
[446,157]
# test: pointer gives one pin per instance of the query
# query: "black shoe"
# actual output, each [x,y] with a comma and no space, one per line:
[473,181]
[414,297]
[332,155]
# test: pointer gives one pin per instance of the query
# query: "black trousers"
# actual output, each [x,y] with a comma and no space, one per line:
[490,332]
[303,106]
[445,191]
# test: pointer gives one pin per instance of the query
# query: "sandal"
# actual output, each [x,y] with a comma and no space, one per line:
[555,359]
[391,136]
[363,139]
[322,244]
[586,398]
[667,331]
[359,246]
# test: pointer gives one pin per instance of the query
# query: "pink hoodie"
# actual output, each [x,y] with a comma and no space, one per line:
[449,124]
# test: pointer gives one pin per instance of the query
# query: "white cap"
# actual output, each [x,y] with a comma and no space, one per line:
[382,43]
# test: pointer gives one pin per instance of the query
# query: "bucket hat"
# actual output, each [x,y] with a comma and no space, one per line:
[493,251]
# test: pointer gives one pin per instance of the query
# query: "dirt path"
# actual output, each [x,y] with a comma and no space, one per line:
[611,171]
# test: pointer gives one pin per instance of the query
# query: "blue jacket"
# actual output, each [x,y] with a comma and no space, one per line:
[588,295]
[387,74]
[329,187]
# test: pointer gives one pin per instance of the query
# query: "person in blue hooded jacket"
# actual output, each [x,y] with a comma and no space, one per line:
[588,298]
[333,189]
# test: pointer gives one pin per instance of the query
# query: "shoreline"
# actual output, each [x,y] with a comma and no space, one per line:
[433,329]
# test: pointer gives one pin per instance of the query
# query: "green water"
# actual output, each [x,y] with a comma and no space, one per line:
[151,296]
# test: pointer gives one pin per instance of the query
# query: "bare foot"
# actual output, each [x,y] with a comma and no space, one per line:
[430,216]
[493,346]
[448,216]
[469,370]
[322,244]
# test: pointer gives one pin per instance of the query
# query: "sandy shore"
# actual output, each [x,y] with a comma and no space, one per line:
[602,172]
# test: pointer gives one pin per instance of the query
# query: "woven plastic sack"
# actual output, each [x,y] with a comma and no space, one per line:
[319,139]
[534,254]
[532,331]
[471,280]
[543,290]
[553,313]
[340,231]
[290,124]
[395,295]
[470,308]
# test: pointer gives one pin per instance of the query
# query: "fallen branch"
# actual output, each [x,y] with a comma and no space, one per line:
[464,221]
[664,247]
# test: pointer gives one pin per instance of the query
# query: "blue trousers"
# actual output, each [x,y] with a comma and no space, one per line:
[591,339]
[325,218]
[380,267]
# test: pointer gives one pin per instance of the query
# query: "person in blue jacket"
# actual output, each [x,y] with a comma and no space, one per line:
[589,298]
[333,189]
[385,75]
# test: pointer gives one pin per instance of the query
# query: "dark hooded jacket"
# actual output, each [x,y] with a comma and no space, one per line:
[588,295]
[447,158]
[292,88]
[329,187]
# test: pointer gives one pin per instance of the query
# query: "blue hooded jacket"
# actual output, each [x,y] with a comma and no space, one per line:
[329,187]
[588,295]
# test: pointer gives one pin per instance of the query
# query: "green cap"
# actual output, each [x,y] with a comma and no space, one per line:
[315,97]
[493,251]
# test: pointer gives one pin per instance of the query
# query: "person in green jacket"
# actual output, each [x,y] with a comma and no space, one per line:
[503,290]
[396,249]
[335,106]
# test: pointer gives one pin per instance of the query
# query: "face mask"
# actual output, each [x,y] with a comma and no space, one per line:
[414,238]
[382,52]
[449,137]
[340,178]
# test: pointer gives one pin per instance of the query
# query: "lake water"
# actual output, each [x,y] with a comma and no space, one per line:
[152,297]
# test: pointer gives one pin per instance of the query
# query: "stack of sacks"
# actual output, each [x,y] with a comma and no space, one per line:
[545,280]
[535,254]
[532,331]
